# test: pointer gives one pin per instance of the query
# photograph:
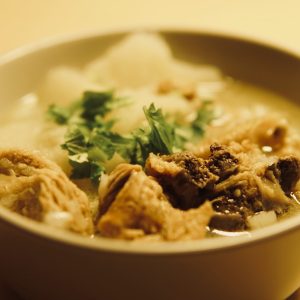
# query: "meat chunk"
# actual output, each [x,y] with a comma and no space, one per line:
[263,186]
[184,177]
[238,179]
[221,162]
[190,180]
[111,185]
[187,225]
[35,187]
[287,172]
[141,208]
[228,222]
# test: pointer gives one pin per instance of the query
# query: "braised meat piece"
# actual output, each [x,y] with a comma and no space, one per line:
[235,199]
[239,180]
[185,178]
[287,172]
[195,168]
[228,222]
[141,208]
[35,187]
[221,162]
[111,185]
[190,180]
[179,194]
[261,187]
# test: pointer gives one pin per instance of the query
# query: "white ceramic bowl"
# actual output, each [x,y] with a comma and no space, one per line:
[39,262]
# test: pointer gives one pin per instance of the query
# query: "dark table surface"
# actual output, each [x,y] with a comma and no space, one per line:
[9,294]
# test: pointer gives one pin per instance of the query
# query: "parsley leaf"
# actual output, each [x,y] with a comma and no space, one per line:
[58,114]
[96,104]
[91,142]
[205,115]
[162,133]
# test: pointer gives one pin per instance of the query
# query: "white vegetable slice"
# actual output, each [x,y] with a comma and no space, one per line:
[262,219]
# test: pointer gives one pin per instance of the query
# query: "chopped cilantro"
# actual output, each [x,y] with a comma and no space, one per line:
[90,141]
[162,133]
[96,104]
[60,115]
[204,116]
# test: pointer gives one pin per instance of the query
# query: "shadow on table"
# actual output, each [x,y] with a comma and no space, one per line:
[7,293]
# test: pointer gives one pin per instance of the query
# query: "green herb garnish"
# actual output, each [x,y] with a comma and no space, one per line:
[91,142]
[204,116]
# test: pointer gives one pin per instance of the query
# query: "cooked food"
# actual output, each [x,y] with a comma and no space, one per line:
[236,191]
[140,207]
[139,145]
[36,188]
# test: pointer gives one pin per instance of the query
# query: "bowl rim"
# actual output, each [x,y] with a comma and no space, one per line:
[60,39]
[44,231]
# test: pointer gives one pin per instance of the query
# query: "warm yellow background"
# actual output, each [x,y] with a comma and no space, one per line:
[26,21]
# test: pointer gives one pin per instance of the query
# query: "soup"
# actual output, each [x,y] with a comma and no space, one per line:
[139,145]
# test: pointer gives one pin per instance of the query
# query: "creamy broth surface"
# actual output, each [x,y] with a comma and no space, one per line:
[25,124]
